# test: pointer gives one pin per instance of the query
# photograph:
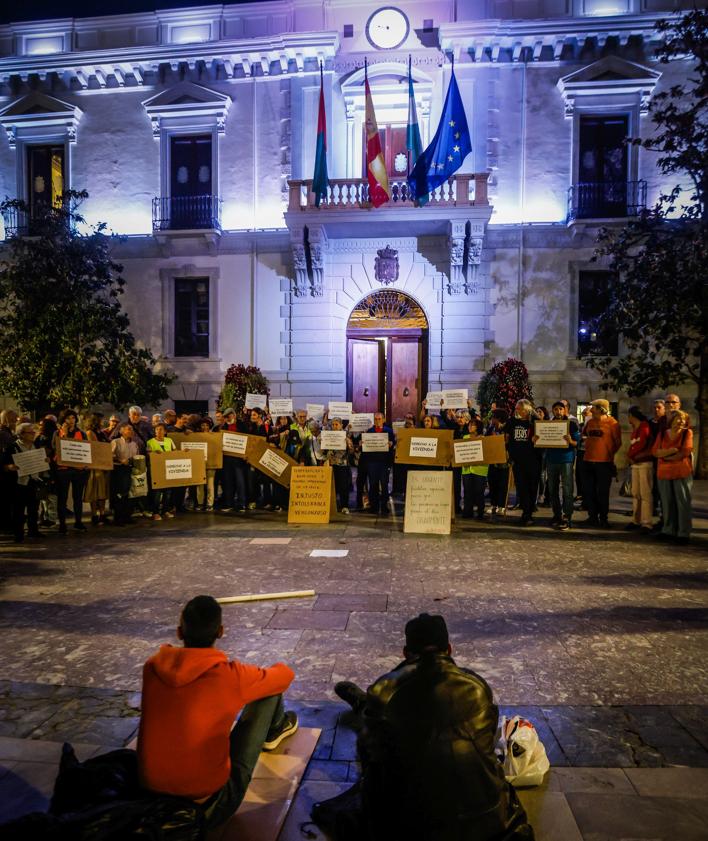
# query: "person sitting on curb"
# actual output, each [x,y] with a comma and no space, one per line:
[190,698]
[426,745]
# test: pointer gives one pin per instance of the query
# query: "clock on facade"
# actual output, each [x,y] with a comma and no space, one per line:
[387,28]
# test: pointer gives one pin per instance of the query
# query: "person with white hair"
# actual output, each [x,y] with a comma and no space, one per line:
[142,429]
[25,499]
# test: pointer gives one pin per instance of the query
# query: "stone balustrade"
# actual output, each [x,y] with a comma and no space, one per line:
[462,190]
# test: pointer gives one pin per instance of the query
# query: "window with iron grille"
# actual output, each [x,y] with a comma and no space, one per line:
[192,316]
[45,176]
[593,293]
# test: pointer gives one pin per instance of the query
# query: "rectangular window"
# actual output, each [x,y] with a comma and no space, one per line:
[192,204]
[45,176]
[602,167]
[593,291]
[192,316]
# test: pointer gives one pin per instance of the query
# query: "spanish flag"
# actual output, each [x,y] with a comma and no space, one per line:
[379,191]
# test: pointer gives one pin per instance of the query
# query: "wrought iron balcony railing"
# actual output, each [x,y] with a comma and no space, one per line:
[181,213]
[15,222]
[606,199]
[350,193]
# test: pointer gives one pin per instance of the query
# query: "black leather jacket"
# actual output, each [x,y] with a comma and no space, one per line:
[428,765]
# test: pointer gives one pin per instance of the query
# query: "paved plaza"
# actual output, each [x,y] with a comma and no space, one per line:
[600,638]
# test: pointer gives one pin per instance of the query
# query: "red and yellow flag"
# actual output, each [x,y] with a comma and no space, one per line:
[379,191]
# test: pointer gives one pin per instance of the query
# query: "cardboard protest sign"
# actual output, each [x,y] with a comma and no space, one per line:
[551,434]
[312,498]
[374,442]
[431,447]
[31,462]
[269,460]
[491,447]
[429,500]
[255,401]
[280,407]
[177,469]
[96,455]
[234,444]
[213,441]
[333,439]
[361,421]
[339,409]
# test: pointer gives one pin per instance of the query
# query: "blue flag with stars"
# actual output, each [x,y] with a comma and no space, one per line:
[448,149]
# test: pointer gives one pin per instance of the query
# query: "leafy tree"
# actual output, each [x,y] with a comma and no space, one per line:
[505,384]
[239,381]
[64,337]
[660,302]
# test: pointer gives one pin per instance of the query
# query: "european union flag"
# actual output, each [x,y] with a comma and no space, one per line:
[448,149]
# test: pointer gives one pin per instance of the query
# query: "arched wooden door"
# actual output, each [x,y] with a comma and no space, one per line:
[387,353]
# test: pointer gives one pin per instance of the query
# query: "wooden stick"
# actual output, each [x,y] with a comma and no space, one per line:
[260,597]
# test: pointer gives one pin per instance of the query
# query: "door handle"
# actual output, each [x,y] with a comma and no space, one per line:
[406,392]
[366,392]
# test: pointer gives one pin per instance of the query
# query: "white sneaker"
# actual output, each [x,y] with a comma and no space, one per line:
[345,510]
[251,506]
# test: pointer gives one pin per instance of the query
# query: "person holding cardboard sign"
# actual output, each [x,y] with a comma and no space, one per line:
[378,466]
[474,476]
[25,487]
[73,478]
[339,461]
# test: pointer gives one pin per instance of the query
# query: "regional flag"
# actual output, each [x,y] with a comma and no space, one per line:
[379,191]
[413,142]
[320,181]
[448,149]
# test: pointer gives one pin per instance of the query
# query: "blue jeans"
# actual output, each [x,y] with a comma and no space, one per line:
[245,743]
[676,506]
[561,476]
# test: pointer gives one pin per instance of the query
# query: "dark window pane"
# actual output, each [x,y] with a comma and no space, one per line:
[592,301]
[192,317]
[191,182]
[45,176]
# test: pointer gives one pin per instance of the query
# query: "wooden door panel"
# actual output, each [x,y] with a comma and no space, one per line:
[366,368]
[405,370]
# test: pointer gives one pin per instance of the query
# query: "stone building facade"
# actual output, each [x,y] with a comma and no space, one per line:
[194,132]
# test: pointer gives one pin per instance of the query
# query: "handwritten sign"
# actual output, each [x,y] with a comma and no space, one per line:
[361,421]
[311,495]
[334,439]
[273,463]
[234,444]
[424,451]
[31,462]
[551,434]
[428,502]
[455,398]
[255,401]
[177,468]
[269,460]
[213,441]
[197,446]
[339,410]
[74,452]
[468,452]
[315,410]
[432,402]
[423,447]
[374,442]
[282,407]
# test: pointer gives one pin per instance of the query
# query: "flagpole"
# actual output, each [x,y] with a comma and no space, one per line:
[408,151]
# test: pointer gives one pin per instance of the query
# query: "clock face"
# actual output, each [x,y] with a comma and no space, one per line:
[387,28]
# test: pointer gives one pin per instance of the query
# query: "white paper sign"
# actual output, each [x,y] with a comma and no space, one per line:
[398,425]
[273,462]
[432,402]
[255,401]
[78,451]
[374,442]
[551,433]
[361,421]
[281,407]
[423,447]
[455,398]
[315,410]
[178,468]
[340,410]
[195,445]
[333,439]
[469,452]
[235,444]
[31,462]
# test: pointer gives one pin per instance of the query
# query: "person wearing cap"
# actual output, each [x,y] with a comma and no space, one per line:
[603,437]
[429,771]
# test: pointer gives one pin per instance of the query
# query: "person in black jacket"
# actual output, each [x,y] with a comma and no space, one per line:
[378,467]
[525,458]
[429,771]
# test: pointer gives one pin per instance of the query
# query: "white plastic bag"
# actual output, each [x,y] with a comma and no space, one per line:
[521,752]
[138,485]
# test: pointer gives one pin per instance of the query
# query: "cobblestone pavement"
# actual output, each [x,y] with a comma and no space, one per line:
[599,637]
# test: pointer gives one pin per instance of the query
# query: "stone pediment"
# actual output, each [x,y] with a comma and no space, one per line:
[187,104]
[610,77]
[37,116]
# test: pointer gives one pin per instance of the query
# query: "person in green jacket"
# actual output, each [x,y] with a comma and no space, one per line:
[474,477]
[159,499]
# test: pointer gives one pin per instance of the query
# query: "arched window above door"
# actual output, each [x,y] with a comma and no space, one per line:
[385,310]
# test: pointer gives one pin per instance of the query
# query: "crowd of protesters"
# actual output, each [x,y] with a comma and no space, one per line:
[568,479]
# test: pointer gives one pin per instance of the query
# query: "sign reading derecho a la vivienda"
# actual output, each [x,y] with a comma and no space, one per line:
[374,442]
[280,407]
[177,468]
[31,462]
[234,444]
[428,502]
[423,447]
[334,439]
[339,409]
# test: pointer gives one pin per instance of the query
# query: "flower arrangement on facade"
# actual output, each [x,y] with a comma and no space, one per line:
[239,381]
[504,384]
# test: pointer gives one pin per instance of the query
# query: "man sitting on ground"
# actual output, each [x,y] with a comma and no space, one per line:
[429,772]
[191,696]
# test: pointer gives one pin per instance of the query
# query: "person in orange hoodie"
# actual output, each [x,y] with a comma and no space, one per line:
[603,437]
[191,697]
